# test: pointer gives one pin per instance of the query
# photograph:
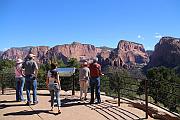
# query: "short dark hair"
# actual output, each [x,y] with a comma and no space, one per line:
[53,73]
[53,66]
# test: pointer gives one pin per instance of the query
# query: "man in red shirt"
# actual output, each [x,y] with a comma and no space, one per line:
[95,73]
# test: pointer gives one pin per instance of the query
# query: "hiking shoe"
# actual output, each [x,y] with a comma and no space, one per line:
[35,102]
[28,103]
[91,102]
[23,100]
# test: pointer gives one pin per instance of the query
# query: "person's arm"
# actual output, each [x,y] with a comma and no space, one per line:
[36,69]
[100,70]
[58,79]
[47,80]
[23,72]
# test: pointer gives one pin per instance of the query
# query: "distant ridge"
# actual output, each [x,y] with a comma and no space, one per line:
[105,48]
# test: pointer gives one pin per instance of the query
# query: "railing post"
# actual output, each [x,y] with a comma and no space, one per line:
[118,91]
[2,83]
[118,97]
[73,89]
[146,97]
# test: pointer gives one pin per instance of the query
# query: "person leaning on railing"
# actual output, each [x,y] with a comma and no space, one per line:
[95,73]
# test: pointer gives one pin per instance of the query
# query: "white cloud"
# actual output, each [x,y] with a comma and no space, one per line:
[5,49]
[158,35]
[140,37]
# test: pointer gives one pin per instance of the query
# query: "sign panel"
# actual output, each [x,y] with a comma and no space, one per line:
[65,72]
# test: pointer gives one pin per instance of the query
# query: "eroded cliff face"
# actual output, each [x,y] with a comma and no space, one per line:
[15,53]
[45,53]
[125,53]
[166,53]
[40,52]
[129,53]
[74,50]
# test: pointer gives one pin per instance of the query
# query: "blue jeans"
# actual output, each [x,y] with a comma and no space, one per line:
[19,88]
[54,89]
[95,83]
[31,82]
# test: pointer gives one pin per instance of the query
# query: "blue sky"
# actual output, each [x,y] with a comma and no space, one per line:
[97,22]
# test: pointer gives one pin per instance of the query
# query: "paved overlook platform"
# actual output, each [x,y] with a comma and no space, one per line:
[72,108]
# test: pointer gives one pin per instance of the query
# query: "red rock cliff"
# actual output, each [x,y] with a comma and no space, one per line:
[166,53]
[129,53]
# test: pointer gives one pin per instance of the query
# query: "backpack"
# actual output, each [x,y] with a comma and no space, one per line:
[95,70]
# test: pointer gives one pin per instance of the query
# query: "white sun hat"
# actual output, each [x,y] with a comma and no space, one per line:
[19,61]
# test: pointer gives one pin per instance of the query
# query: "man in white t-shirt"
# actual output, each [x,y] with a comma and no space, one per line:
[84,73]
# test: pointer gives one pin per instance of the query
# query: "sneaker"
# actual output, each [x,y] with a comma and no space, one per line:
[59,111]
[28,103]
[51,108]
[91,102]
[23,100]
[98,101]
[35,102]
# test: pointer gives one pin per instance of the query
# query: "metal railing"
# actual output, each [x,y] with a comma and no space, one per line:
[121,87]
[7,80]
[117,86]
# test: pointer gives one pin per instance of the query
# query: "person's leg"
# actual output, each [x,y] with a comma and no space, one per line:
[92,90]
[52,99]
[86,89]
[97,92]
[57,93]
[21,88]
[34,84]
[17,89]
[84,85]
[81,88]
[28,87]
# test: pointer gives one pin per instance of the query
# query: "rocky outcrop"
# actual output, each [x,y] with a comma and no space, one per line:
[1,52]
[126,53]
[129,53]
[45,53]
[40,52]
[15,53]
[149,52]
[74,50]
[166,53]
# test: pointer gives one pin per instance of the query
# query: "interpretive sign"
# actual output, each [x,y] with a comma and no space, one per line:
[65,72]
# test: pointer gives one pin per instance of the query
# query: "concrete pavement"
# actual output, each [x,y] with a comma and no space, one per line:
[72,109]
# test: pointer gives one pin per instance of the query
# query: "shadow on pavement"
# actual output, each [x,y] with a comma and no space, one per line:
[30,112]
[6,101]
[113,112]
[2,106]
[72,102]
